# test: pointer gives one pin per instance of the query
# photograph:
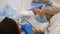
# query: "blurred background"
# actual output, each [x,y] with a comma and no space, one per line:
[21,5]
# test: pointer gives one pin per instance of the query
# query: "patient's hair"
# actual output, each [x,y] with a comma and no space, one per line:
[8,26]
[41,1]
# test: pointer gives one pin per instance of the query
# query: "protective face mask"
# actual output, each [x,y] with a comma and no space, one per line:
[39,19]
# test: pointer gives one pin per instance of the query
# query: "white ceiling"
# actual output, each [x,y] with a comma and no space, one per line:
[57,2]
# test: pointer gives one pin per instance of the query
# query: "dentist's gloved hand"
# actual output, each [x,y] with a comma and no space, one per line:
[27,28]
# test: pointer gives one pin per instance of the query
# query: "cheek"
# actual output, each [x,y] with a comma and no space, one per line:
[20,28]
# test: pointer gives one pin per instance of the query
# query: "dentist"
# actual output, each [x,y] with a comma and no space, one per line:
[53,15]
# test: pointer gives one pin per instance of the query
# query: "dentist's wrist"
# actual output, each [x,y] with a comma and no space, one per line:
[39,31]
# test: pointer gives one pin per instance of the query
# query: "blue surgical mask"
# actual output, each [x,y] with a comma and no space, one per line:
[39,19]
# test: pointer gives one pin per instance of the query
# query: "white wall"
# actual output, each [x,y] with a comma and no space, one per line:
[56,2]
[26,4]
[19,5]
[16,4]
[2,3]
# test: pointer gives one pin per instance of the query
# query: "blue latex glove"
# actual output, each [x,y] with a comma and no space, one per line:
[27,28]
[42,20]
[9,11]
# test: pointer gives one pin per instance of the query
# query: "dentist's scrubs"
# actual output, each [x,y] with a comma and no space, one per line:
[54,26]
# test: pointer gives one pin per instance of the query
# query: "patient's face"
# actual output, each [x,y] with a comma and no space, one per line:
[19,26]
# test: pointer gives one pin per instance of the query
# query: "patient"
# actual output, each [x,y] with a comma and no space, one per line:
[9,26]
[53,15]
